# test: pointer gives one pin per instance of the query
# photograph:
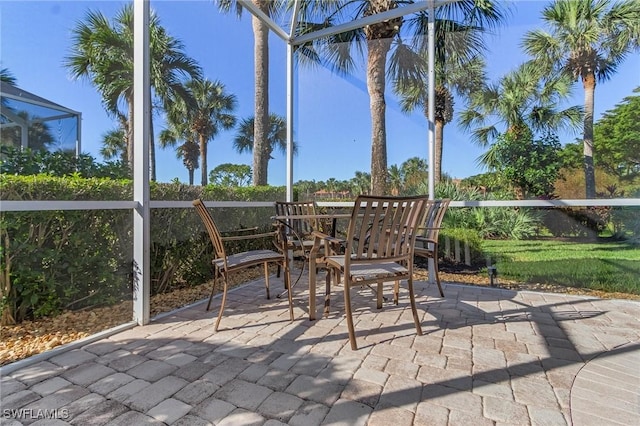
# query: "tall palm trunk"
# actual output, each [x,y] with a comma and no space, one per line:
[129,130]
[152,147]
[203,159]
[437,158]
[376,61]
[190,177]
[261,121]
[589,84]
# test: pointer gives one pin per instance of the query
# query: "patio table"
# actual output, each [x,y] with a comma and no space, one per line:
[313,255]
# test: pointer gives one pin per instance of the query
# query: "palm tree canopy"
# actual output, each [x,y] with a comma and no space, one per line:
[525,98]
[585,37]
[277,135]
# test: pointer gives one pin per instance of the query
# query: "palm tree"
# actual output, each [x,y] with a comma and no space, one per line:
[6,76]
[587,40]
[261,121]
[211,112]
[178,131]
[396,179]
[415,171]
[114,145]
[379,39]
[102,52]
[361,183]
[276,136]
[524,101]
[459,69]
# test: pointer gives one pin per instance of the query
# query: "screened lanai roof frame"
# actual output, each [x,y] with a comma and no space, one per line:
[142,118]
[23,97]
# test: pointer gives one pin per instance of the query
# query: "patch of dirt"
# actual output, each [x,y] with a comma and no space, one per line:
[33,337]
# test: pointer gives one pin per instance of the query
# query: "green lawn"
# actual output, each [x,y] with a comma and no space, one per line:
[605,266]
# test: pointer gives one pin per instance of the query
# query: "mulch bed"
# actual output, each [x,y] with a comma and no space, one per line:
[33,337]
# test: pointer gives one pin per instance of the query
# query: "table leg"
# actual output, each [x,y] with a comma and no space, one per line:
[312,287]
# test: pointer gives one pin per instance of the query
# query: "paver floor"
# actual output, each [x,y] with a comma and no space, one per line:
[487,356]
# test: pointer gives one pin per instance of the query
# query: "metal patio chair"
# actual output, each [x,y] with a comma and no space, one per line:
[379,248]
[427,239]
[226,264]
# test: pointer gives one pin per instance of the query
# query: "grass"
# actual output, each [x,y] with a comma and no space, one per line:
[603,266]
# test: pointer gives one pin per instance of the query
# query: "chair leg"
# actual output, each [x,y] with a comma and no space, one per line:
[437,275]
[414,311]
[327,292]
[266,278]
[379,295]
[347,308]
[222,303]
[287,283]
[396,292]
[216,275]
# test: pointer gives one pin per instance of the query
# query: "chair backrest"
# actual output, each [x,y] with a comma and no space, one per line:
[384,228]
[432,220]
[212,229]
[301,227]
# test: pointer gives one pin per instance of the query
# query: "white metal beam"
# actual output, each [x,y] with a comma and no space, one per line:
[290,118]
[369,20]
[264,18]
[141,134]
[431,101]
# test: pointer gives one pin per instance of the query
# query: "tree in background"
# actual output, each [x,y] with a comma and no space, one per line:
[231,175]
[396,180]
[587,40]
[531,165]
[360,183]
[415,171]
[261,123]
[244,140]
[617,139]
[459,69]
[199,122]
[378,40]
[177,134]
[102,52]
[114,145]
[523,102]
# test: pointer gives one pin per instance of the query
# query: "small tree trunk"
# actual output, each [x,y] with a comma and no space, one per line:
[437,161]
[203,160]
[6,289]
[589,83]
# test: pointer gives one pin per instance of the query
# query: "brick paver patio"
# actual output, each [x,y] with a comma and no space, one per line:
[487,356]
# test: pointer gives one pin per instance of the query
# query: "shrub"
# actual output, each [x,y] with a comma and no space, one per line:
[54,260]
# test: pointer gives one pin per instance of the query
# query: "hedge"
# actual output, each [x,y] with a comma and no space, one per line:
[56,260]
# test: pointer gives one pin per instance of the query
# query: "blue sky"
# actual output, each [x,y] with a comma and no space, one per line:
[332,125]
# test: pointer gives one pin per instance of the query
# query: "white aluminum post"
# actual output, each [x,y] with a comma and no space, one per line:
[141,134]
[432,116]
[290,95]
[78,134]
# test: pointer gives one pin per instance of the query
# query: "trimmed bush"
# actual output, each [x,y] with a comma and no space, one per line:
[55,260]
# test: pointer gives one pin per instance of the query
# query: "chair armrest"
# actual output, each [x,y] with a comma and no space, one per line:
[424,239]
[249,237]
[328,238]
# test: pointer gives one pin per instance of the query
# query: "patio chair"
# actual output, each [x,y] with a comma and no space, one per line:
[226,264]
[298,230]
[427,239]
[379,248]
